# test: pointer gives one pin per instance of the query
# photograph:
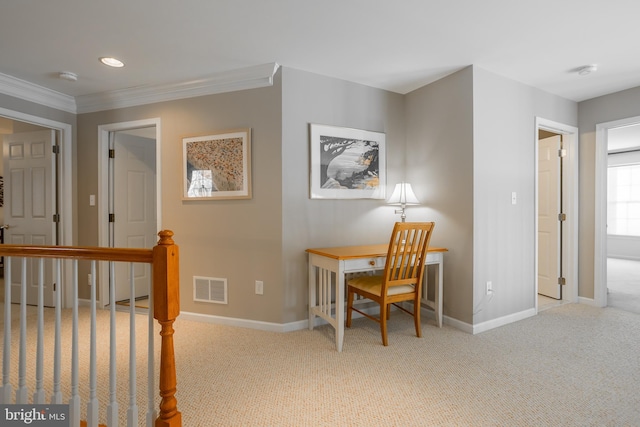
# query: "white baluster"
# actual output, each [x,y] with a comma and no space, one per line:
[39,395]
[152,414]
[56,397]
[132,412]
[22,393]
[74,402]
[92,404]
[7,390]
[112,409]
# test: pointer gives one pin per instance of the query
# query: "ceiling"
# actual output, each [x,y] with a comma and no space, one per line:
[394,45]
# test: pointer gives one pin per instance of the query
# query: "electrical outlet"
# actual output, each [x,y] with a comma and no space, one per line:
[489,287]
[89,281]
[259,287]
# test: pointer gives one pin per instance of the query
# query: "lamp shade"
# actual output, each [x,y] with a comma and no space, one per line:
[403,195]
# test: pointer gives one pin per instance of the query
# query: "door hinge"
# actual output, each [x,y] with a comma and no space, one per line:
[112,153]
[112,218]
[56,217]
[562,217]
[562,152]
[56,149]
[562,281]
[54,287]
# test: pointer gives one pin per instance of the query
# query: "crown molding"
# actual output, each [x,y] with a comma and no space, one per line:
[33,93]
[241,79]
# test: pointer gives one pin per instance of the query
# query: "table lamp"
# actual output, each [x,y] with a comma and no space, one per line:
[403,195]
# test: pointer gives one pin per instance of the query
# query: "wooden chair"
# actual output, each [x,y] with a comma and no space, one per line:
[401,279]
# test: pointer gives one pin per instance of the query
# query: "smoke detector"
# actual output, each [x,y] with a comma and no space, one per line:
[68,75]
[587,69]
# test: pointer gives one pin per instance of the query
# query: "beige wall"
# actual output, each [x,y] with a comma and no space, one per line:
[470,143]
[439,159]
[310,98]
[442,138]
[240,240]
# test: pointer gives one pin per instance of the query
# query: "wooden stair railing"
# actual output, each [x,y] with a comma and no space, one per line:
[165,260]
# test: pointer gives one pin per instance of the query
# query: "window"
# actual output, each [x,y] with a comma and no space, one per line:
[623,205]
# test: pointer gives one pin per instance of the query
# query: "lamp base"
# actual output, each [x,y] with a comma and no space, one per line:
[403,217]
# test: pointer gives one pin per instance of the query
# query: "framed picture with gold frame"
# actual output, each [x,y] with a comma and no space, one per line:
[217,166]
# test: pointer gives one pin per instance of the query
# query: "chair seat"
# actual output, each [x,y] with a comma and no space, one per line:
[401,279]
[373,285]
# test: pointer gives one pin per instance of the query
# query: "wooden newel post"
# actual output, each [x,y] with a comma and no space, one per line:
[166,308]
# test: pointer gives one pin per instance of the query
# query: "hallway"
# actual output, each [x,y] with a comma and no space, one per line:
[623,284]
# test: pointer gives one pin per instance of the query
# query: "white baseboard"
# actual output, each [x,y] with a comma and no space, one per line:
[273,327]
[504,320]
[464,327]
[303,324]
[588,301]
[233,321]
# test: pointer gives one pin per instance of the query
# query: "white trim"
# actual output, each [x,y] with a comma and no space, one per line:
[229,81]
[65,175]
[103,185]
[570,204]
[458,324]
[600,232]
[247,78]
[504,320]
[588,301]
[275,327]
[304,324]
[40,95]
[244,323]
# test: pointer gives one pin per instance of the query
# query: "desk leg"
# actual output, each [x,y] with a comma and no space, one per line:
[339,309]
[312,294]
[438,294]
[436,305]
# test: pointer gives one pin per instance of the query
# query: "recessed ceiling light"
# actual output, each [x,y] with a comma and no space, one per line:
[111,62]
[587,69]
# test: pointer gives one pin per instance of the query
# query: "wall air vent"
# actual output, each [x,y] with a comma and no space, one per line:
[210,289]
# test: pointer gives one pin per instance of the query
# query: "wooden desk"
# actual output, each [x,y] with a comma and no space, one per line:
[350,259]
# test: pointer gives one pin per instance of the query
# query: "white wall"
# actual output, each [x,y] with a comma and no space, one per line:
[627,247]
[607,108]
[504,141]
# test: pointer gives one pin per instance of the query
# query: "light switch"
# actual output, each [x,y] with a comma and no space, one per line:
[514,198]
[92,200]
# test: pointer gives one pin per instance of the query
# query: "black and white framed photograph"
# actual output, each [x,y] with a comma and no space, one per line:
[347,163]
[217,166]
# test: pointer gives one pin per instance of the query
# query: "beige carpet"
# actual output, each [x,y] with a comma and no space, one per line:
[572,365]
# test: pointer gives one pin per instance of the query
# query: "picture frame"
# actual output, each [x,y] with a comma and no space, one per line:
[217,166]
[347,163]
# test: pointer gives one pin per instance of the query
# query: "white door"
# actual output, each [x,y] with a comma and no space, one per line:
[549,254]
[29,206]
[134,207]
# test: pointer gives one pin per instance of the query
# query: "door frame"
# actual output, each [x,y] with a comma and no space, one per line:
[570,189]
[103,187]
[66,185]
[600,232]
